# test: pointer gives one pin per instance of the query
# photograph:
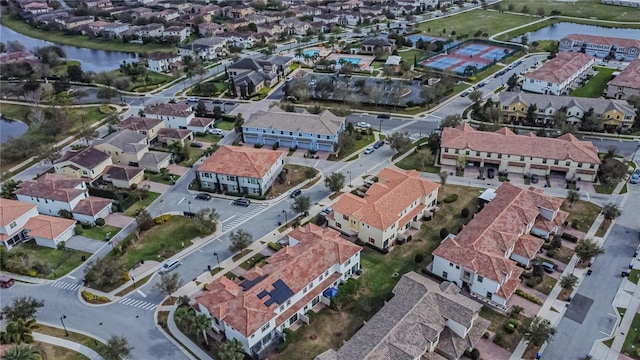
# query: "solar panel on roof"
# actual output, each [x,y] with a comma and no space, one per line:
[262,294]
[280,293]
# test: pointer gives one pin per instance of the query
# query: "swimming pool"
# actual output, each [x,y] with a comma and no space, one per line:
[355,61]
[311,52]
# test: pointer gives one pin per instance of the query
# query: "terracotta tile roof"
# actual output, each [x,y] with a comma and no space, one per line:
[201,121]
[604,40]
[11,210]
[48,227]
[122,172]
[91,205]
[53,187]
[482,244]
[179,134]
[317,250]
[385,200]
[561,68]
[139,123]
[565,147]
[407,324]
[629,77]
[180,110]
[241,161]
[326,283]
[88,157]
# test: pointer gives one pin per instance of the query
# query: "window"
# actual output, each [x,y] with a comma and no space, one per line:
[372,240]
[556,162]
[457,151]
[338,225]
[321,277]
[326,273]
[348,262]
[444,274]
[499,156]
[477,153]
[13,224]
[489,294]
[266,326]
[488,154]
[480,278]
[592,166]
[521,158]
[451,264]
[544,161]
[289,302]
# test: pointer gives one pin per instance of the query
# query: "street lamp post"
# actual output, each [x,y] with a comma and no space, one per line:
[134,281]
[285,217]
[349,172]
[189,203]
[217,258]
[66,333]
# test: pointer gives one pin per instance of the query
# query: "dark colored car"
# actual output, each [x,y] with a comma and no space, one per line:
[196,144]
[384,116]
[295,193]
[242,202]
[378,144]
[203,196]
[491,173]
[534,179]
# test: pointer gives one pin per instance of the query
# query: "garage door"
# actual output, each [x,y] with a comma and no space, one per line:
[269,141]
[304,145]
[325,147]
[251,139]
[286,143]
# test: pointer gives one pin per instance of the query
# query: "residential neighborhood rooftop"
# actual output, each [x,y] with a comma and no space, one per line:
[604,40]
[11,210]
[628,77]
[51,186]
[48,227]
[560,68]
[325,123]
[122,172]
[542,101]
[241,161]
[139,123]
[125,140]
[88,157]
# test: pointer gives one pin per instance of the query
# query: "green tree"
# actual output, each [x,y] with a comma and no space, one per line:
[206,221]
[346,142]
[106,93]
[568,281]
[451,121]
[104,272]
[433,140]
[201,108]
[237,124]
[24,307]
[202,323]
[117,348]
[168,284]
[443,177]
[399,141]
[8,187]
[184,318]
[538,330]
[21,352]
[301,204]
[611,211]
[512,82]
[572,197]
[18,331]
[144,220]
[335,181]
[532,114]
[231,350]
[239,240]
[587,248]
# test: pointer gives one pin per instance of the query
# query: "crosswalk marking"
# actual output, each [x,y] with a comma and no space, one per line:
[138,303]
[239,220]
[66,285]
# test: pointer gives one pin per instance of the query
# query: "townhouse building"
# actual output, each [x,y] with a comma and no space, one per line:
[241,170]
[423,320]
[614,114]
[87,163]
[626,83]
[250,75]
[390,207]
[484,256]
[556,76]
[293,130]
[602,46]
[505,151]
[279,294]
[128,147]
[629,3]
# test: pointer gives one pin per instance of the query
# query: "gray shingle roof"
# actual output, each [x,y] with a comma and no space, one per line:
[542,101]
[324,124]
[88,157]
[125,140]
[154,157]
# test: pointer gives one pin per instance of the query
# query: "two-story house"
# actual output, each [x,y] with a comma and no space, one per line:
[179,116]
[144,125]
[250,75]
[109,29]
[128,147]
[273,297]
[13,217]
[241,170]
[177,34]
[55,193]
[70,22]
[162,62]
[294,130]
[484,256]
[88,163]
[390,207]
[505,151]
[423,320]
[626,83]
[557,75]
[294,26]
[602,46]
[205,49]
[210,29]
[370,46]
[122,176]
[613,114]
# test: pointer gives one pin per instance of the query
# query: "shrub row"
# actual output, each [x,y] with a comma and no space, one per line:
[451,198]
[569,237]
[529,297]
[274,246]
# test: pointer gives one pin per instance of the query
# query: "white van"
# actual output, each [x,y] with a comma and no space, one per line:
[170,265]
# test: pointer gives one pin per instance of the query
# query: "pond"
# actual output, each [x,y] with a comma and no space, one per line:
[560,30]
[92,60]
[11,129]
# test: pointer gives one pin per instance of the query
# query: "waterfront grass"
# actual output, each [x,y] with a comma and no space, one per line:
[491,22]
[551,21]
[587,9]
[83,41]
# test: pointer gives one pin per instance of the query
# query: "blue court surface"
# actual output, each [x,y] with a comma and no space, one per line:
[494,54]
[415,37]
[311,52]
[443,63]
[460,69]
[471,49]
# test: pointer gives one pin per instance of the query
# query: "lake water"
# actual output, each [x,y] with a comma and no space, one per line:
[92,60]
[560,30]
[11,128]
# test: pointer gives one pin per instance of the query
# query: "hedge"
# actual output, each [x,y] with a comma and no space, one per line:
[451,198]
[528,296]
[569,237]
[274,246]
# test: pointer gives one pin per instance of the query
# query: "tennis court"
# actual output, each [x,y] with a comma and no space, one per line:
[495,54]
[460,69]
[415,37]
[470,50]
[442,63]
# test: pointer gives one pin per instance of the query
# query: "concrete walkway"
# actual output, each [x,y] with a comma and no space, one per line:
[183,339]
[67,344]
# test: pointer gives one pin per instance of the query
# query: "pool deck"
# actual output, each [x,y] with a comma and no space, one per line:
[365,60]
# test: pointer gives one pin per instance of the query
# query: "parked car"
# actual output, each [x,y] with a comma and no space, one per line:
[378,144]
[326,211]
[384,116]
[635,178]
[289,78]
[6,282]
[192,99]
[242,202]
[368,183]
[216,132]
[548,267]
[491,173]
[466,92]
[196,144]
[363,124]
[203,196]
[295,193]
[534,179]
[170,265]
[368,150]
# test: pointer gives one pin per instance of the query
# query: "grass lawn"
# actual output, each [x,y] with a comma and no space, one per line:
[412,54]
[365,141]
[131,211]
[155,80]
[75,337]
[100,232]
[498,321]
[224,125]
[546,285]
[605,188]
[167,178]
[595,87]
[331,327]
[161,241]
[89,114]
[210,138]
[630,346]
[583,213]
[62,68]
[59,261]
[412,162]
[564,254]
[634,276]
[59,37]
[295,176]
[469,22]
[138,283]
[603,228]
[241,254]
[581,8]
[253,261]
[53,352]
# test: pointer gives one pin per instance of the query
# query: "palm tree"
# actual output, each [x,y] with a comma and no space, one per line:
[572,197]
[299,53]
[611,211]
[184,318]
[18,331]
[231,350]
[201,323]
[21,352]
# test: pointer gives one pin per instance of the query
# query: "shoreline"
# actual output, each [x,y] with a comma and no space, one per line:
[79,41]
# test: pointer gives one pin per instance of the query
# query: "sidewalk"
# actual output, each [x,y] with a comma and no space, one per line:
[67,344]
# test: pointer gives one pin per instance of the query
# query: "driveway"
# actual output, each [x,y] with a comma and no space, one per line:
[117,220]
[84,243]
[156,187]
